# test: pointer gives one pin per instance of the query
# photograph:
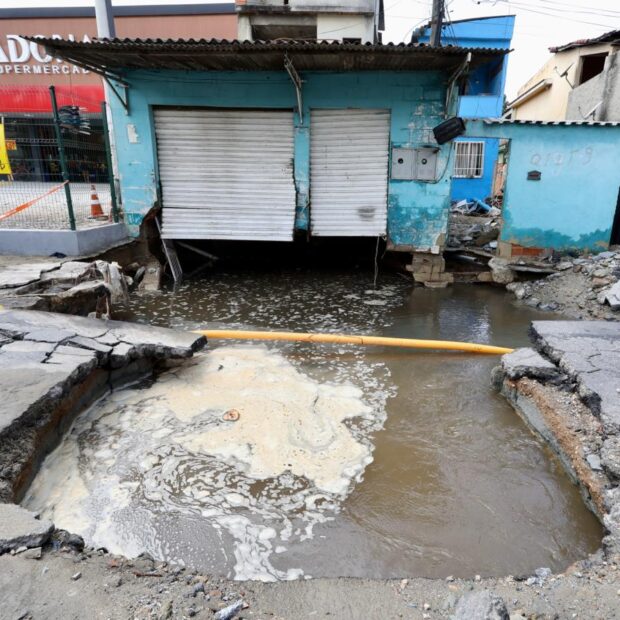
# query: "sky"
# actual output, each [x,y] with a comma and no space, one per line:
[540,24]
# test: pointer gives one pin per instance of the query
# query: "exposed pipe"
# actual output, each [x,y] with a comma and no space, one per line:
[409,343]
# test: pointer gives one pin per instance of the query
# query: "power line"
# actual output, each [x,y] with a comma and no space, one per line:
[527,8]
[575,8]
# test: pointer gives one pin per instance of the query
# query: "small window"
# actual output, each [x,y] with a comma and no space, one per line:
[591,66]
[469,160]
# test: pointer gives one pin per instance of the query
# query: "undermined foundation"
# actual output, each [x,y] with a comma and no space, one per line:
[430,270]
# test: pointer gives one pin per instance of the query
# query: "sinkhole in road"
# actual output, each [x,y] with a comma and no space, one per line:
[344,461]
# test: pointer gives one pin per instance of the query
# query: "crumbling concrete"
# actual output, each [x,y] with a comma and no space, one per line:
[73,287]
[53,366]
[430,270]
[20,528]
[568,392]
[527,362]
[118,589]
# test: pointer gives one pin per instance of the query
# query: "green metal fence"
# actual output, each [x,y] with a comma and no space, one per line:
[60,170]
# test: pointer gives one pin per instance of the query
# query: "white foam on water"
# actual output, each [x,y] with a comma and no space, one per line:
[286,465]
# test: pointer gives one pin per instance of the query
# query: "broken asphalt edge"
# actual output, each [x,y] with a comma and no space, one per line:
[567,391]
[95,356]
[54,366]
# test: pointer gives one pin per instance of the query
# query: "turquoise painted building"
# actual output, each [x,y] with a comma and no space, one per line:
[263,141]
[562,187]
[482,96]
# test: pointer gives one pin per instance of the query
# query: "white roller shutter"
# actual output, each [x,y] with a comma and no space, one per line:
[226,174]
[348,172]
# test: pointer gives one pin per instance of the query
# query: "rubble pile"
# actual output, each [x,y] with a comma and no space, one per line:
[473,225]
[586,287]
[70,287]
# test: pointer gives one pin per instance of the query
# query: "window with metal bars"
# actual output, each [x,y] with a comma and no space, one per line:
[469,160]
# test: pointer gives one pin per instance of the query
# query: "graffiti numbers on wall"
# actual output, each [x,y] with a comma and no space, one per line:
[572,157]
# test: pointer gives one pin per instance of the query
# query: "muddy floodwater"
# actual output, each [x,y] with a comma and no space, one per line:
[345,461]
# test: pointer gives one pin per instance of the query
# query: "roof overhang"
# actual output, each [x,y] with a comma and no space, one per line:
[612,37]
[530,93]
[113,57]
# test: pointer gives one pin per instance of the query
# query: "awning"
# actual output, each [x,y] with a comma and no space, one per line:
[112,56]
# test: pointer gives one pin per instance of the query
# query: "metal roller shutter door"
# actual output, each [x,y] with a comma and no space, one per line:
[226,174]
[349,172]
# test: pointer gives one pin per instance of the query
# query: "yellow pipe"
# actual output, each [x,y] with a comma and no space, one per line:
[411,343]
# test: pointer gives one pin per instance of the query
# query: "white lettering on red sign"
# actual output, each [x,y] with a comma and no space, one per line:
[16,52]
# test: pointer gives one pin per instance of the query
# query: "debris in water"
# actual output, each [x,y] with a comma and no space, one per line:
[232,415]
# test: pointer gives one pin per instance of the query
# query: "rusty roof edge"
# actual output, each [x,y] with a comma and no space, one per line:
[606,37]
[238,45]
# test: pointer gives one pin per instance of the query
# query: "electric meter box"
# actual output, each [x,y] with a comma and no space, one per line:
[418,164]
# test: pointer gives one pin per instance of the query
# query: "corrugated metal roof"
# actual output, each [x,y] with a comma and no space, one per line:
[609,37]
[112,55]
[508,121]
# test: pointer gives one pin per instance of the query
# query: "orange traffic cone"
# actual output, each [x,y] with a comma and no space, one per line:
[96,212]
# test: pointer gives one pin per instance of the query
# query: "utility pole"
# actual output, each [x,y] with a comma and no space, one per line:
[107,30]
[436,22]
[105,19]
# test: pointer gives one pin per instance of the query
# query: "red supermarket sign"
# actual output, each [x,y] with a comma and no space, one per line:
[24,99]
[21,57]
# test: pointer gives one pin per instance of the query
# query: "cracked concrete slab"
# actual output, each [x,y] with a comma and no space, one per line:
[577,413]
[527,362]
[589,352]
[14,276]
[20,528]
[49,334]
[69,271]
[24,387]
[55,363]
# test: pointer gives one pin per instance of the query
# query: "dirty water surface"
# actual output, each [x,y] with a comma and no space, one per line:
[345,461]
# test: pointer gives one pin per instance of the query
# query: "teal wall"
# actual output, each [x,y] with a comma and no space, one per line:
[417,211]
[573,205]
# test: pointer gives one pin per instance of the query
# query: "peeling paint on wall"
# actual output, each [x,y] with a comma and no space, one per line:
[417,211]
[573,204]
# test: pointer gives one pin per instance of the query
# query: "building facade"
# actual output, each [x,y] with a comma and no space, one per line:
[581,81]
[562,187]
[481,96]
[27,71]
[351,21]
[263,140]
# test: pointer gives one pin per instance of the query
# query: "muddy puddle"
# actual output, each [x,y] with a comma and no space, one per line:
[344,461]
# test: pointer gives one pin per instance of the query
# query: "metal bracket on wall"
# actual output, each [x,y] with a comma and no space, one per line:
[124,101]
[297,82]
